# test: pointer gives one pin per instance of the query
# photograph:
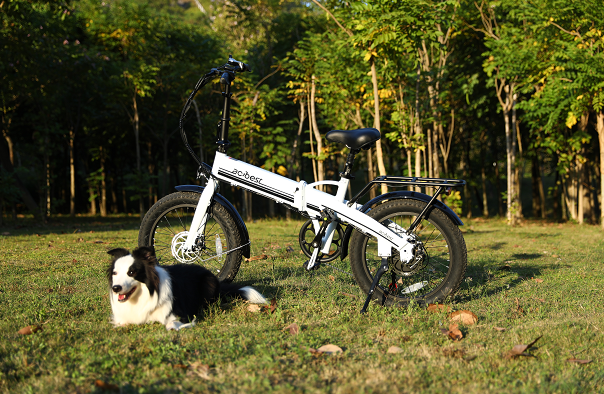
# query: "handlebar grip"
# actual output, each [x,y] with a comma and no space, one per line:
[240,65]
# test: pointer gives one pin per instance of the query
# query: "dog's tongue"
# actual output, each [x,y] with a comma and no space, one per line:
[121,297]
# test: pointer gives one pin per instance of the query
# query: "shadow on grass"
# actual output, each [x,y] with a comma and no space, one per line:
[488,280]
[68,225]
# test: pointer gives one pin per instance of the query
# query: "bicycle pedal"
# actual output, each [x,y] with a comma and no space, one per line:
[313,268]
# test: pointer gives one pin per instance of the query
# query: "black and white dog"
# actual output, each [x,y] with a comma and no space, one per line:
[141,291]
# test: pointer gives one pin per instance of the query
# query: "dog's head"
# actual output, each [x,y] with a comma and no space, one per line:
[128,271]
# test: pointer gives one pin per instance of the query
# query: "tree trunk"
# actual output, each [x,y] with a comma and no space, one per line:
[600,129]
[71,173]
[313,119]
[377,125]
[103,193]
[138,154]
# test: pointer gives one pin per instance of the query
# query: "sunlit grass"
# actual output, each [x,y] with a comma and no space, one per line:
[535,279]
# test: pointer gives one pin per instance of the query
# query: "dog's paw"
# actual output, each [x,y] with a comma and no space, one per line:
[176,325]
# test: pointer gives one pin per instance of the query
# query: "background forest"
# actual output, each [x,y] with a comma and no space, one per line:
[505,94]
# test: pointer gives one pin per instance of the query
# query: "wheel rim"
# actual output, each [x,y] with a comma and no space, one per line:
[412,281]
[170,233]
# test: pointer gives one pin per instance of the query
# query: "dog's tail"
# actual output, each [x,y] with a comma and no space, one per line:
[245,292]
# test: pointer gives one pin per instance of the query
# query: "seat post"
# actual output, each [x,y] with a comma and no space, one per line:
[348,166]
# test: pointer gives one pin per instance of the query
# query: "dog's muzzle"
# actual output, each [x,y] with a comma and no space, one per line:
[123,297]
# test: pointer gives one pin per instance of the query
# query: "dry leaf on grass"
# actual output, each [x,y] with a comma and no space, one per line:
[273,305]
[199,369]
[466,317]
[293,329]
[30,329]
[500,329]
[578,361]
[519,350]
[453,332]
[180,366]
[332,278]
[259,257]
[438,308]
[253,308]
[106,386]
[395,350]
[537,280]
[348,294]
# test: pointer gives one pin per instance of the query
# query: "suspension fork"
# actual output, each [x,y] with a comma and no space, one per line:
[200,217]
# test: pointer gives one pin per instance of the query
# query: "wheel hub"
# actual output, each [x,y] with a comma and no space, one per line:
[411,266]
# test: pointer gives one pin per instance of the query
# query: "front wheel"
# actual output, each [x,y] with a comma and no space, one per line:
[438,266]
[166,227]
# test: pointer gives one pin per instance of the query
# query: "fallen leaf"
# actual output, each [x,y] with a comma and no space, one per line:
[348,294]
[466,317]
[289,249]
[180,366]
[500,329]
[438,308]
[578,361]
[259,257]
[199,369]
[537,280]
[394,350]
[30,330]
[106,386]
[293,329]
[332,278]
[519,350]
[555,255]
[253,308]
[454,332]
[540,299]
[273,305]
[330,349]
[79,240]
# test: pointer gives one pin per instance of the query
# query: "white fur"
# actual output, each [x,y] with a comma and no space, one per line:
[142,307]
[253,296]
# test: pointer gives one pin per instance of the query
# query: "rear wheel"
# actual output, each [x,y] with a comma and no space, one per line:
[439,251]
[166,227]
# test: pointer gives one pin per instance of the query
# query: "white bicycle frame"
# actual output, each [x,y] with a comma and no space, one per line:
[302,197]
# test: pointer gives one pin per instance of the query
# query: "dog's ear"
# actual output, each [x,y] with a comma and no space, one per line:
[152,279]
[146,254]
[118,252]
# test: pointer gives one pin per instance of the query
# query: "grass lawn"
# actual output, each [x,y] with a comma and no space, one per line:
[536,280]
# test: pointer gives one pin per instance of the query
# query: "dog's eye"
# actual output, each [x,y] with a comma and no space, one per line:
[114,273]
[130,273]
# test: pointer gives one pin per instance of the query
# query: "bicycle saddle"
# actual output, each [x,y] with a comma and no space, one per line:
[354,139]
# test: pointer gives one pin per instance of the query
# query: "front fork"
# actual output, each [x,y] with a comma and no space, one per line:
[200,217]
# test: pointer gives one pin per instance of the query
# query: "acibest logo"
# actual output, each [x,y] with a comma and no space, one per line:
[246,176]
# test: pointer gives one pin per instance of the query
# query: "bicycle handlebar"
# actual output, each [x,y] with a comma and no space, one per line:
[230,67]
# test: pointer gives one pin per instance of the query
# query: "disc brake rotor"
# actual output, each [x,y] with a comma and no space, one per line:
[178,250]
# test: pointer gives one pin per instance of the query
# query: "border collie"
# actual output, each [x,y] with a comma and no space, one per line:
[141,291]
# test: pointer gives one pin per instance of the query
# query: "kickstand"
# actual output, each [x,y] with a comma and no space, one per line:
[378,275]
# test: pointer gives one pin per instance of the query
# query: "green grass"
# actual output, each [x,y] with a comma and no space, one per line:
[53,275]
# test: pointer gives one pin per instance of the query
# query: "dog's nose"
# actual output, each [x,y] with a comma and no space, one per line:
[117,288]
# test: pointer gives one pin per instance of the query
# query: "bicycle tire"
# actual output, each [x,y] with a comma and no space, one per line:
[167,223]
[434,279]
